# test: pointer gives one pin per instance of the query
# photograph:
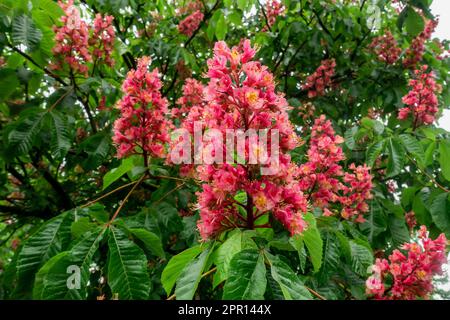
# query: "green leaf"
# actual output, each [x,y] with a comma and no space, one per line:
[440,212]
[399,231]
[361,258]
[24,31]
[127,268]
[23,136]
[234,244]
[444,158]
[414,22]
[221,28]
[290,284]
[349,137]
[113,175]
[151,241]
[313,241]
[375,221]
[189,278]
[81,226]
[396,158]
[413,147]
[51,238]
[9,82]
[52,280]
[246,277]
[373,152]
[176,265]
[61,138]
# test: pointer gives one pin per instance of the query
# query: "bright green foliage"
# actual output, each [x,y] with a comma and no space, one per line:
[72,213]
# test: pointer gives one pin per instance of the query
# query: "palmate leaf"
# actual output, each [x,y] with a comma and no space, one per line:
[246,277]
[61,137]
[51,238]
[23,136]
[24,31]
[52,279]
[127,268]
[291,286]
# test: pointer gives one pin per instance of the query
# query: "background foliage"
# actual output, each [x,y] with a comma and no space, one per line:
[56,155]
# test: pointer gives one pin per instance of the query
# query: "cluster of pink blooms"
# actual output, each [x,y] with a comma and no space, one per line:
[192,99]
[188,25]
[189,7]
[410,272]
[317,82]
[75,44]
[274,9]
[415,52]
[386,49]
[410,219]
[103,38]
[323,178]
[421,100]
[143,127]
[241,94]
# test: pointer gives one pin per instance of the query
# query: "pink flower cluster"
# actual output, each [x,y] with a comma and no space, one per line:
[317,82]
[274,9]
[72,40]
[421,100]
[415,52]
[75,45]
[241,95]
[192,98]
[189,7]
[188,25]
[103,38]
[323,178]
[143,127]
[409,273]
[385,47]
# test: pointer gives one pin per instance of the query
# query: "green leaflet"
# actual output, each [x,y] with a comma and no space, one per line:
[290,285]
[66,275]
[189,278]
[151,241]
[127,268]
[246,277]
[51,238]
[176,265]
[24,31]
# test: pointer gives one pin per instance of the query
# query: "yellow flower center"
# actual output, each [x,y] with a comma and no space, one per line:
[252,97]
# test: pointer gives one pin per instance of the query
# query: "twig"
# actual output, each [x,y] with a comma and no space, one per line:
[126,199]
[316,294]
[108,194]
[428,175]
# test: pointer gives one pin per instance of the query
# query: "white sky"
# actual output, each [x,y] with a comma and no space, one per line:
[442,8]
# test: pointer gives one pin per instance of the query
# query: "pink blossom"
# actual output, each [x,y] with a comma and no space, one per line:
[410,272]
[317,82]
[386,48]
[142,127]
[415,52]
[191,23]
[421,100]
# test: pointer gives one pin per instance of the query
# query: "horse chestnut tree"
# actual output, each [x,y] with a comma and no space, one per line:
[222,149]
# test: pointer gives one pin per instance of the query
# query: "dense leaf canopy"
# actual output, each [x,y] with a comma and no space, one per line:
[78,192]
